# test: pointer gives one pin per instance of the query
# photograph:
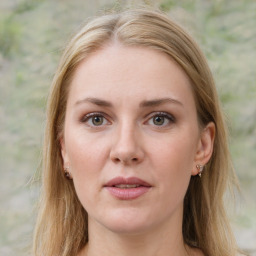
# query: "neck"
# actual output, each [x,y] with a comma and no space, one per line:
[161,241]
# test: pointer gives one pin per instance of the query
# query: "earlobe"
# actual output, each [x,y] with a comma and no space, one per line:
[205,147]
[63,151]
[67,172]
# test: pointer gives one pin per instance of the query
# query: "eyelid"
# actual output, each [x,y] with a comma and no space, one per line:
[86,117]
[164,114]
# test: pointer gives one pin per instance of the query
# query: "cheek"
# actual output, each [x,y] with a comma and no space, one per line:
[173,163]
[85,166]
[176,153]
[87,156]
[85,152]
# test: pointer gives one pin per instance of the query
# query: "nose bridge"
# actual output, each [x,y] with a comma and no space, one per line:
[126,146]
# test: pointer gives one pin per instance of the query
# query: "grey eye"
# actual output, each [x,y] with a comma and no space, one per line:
[158,120]
[94,120]
[161,119]
[97,120]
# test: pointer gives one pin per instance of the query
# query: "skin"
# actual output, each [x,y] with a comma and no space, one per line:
[158,143]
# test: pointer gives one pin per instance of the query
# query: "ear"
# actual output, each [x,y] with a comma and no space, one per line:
[64,152]
[204,147]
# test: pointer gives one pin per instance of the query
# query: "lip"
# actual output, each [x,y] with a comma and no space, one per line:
[127,193]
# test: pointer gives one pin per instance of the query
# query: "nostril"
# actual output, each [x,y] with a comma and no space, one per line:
[117,160]
[126,161]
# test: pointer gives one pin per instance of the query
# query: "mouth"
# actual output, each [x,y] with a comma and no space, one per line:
[127,188]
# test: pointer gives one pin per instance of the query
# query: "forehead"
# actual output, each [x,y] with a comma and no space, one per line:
[130,73]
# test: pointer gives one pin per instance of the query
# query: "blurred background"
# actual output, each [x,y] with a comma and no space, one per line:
[32,36]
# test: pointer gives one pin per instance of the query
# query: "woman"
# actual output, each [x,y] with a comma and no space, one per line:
[136,160]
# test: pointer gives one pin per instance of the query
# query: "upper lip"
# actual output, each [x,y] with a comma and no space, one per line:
[129,181]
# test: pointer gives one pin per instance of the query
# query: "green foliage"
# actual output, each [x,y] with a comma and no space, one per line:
[10,32]
[26,5]
[167,5]
[10,28]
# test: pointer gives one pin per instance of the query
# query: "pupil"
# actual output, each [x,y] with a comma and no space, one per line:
[97,120]
[158,120]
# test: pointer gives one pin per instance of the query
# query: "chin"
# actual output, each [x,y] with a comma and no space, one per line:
[128,228]
[127,223]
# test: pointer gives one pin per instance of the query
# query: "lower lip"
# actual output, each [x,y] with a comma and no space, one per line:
[127,193]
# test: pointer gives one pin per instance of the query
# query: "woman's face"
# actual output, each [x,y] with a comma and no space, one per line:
[131,138]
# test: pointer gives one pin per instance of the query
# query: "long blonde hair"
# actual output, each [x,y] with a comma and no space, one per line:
[61,228]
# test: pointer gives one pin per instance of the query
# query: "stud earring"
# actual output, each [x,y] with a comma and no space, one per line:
[67,173]
[200,169]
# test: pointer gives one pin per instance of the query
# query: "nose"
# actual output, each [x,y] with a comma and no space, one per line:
[127,146]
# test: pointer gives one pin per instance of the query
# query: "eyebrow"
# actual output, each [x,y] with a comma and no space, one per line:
[95,101]
[143,104]
[157,102]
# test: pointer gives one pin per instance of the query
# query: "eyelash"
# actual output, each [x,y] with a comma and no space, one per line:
[88,117]
[169,117]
